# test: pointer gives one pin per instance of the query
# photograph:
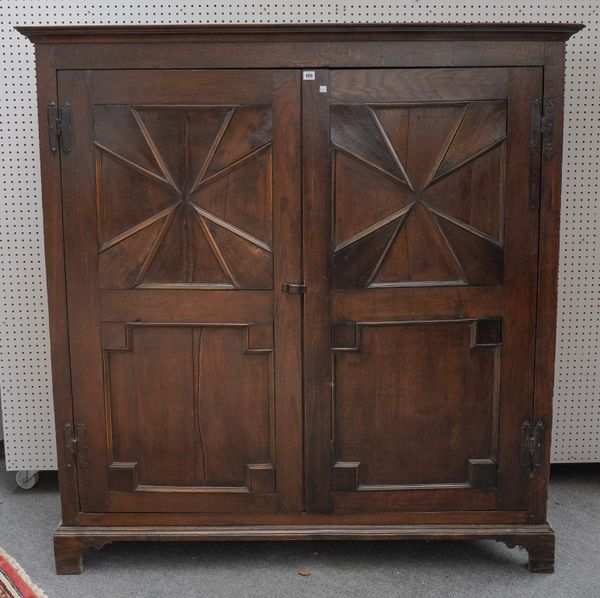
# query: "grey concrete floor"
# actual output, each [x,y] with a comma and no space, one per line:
[344,569]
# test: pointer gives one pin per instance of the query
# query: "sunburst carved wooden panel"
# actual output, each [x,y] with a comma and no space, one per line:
[418,194]
[184,196]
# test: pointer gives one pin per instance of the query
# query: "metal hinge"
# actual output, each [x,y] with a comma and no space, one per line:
[533,441]
[59,126]
[75,445]
[295,288]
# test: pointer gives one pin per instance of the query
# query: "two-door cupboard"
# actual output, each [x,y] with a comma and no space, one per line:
[302,280]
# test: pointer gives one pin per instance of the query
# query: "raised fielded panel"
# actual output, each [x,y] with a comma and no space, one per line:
[190,421]
[403,392]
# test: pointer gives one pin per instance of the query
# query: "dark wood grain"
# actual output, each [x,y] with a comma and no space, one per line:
[386,433]
[548,274]
[225,88]
[520,279]
[316,224]
[287,178]
[284,32]
[83,283]
[387,401]
[188,435]
[307,54]
[421,85]
[358,518]
[173,305]
[70,542]
[56,281]
[412,255]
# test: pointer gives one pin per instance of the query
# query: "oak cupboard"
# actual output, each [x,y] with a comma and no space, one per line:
[302,280]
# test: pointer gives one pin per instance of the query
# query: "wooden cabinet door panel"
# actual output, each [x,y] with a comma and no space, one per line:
[181,211]
[431,238]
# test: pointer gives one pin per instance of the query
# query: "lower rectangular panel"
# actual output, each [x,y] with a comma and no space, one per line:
[415,408]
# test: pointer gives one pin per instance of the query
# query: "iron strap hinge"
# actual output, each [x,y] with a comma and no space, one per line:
[59,126]
[75,445]
[295,288]
[533,444]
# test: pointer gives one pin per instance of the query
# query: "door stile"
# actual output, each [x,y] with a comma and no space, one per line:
[287,248]
[520,288]
[47,88]
[318,385]
[79,201]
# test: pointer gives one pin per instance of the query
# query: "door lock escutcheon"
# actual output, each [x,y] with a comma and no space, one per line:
[294,288]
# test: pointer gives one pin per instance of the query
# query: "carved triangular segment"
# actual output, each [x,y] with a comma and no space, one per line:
[249,128]
[354,129]
[121,264]
[418,254]
[204,265]
[250,264]
[474,194]
[204,129]
[169,262]
[483,127]
[116,130]
[420,135]
[363,196]
[164,131]
[185,255]
[242,197]
[481,260]
[126,198]
[354,264]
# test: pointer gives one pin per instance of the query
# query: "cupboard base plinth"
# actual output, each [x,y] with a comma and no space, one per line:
[538,540]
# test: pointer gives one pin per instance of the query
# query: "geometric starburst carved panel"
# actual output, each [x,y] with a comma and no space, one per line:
[184,196]
[419,194]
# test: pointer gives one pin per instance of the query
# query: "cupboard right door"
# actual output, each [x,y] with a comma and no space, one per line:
[420,346]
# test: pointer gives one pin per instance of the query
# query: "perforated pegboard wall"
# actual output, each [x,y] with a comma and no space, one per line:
[24,357]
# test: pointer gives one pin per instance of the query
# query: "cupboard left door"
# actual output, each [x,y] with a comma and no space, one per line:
[181,212]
